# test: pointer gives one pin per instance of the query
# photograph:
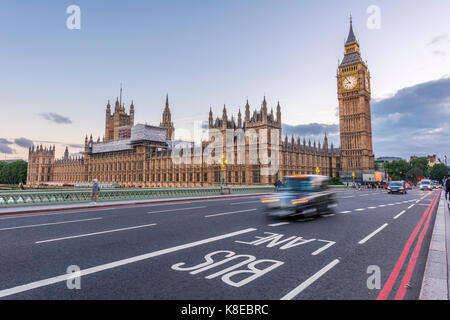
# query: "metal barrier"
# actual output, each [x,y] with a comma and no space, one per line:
[37,197]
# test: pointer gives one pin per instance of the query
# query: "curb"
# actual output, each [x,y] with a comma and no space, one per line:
[435,278]
[104,205]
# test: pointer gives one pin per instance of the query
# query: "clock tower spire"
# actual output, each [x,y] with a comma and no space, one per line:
[353,84]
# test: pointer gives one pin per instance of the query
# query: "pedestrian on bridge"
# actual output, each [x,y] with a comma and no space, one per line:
[447,187]
[95,190]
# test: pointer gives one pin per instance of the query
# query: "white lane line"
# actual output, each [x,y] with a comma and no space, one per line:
[348,197]
[236,203]
[37,215]
[179,209]
[360,209]
[65,277]
[225,213]
[292,294]
[278,224]
[330,243]
[363,195]
[49,224]
[371,207]
[372,234]
[390,204]
[126,206]
[345,211]
[397,216]
[382,205]
[411,206]
[96,233]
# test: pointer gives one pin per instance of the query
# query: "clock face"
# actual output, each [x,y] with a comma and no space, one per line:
[349,82]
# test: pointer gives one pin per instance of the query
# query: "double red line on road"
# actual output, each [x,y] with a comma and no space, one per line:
[385,291]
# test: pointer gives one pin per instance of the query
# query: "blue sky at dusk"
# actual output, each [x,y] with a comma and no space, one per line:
[55,82]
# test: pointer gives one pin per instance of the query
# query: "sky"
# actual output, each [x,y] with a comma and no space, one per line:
[55,82]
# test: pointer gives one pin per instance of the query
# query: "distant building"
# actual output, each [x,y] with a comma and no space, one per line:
[432,160]
[388,159]
[11,160]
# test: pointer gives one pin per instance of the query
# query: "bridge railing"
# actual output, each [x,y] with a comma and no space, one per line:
[58,196]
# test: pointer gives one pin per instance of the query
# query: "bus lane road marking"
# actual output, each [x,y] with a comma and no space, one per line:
[115,264]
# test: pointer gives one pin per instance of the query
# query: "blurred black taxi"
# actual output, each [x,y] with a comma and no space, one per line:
[301,196]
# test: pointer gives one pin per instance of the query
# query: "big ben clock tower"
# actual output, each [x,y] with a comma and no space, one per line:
[353,82]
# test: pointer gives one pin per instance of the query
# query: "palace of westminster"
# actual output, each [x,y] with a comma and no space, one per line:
[141,155]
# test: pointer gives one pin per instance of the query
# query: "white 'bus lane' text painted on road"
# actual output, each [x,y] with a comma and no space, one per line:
[276,239]
[248,263]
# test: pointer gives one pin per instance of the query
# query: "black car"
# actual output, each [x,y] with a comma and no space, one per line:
[396,187]
[301,195]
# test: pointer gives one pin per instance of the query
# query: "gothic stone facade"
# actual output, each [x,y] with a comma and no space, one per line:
[148,162]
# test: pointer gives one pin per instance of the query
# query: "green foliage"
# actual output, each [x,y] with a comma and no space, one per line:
[414,174]
[397,169]
[422,164]
[14,172]
[439,171]
[335,181]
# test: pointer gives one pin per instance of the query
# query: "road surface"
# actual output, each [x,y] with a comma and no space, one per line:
[220,249]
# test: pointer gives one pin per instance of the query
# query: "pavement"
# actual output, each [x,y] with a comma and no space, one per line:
[436,281]
[375,246]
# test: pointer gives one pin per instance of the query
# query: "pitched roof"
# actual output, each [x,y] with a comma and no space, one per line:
[351,39]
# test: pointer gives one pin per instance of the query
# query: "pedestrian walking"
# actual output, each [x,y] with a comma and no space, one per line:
[95,191]
[447,188]
[278,184]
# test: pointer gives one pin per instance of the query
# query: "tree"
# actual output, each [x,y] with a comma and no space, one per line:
[439,171]
[14,172]
[422,164]
[335,181]
[397,169]
[414,174]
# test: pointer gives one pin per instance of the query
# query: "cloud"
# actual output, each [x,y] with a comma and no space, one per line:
[6,149]
[76,146]
[23,142]
[440,53]
[393,117]
[310,129]
[4,141]
[439,39]
[415,120]
[54,117]
[5,146]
